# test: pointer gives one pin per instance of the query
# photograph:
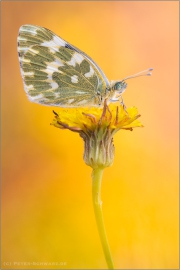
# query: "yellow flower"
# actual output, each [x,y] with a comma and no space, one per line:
[97,126]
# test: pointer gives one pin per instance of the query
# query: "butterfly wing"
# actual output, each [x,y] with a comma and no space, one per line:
[55,72]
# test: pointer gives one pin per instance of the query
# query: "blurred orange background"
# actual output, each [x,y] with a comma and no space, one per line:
[47,212]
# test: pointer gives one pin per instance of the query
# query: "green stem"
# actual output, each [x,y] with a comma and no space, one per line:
[96,195]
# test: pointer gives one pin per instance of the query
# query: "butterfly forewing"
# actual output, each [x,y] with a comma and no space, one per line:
[55,72]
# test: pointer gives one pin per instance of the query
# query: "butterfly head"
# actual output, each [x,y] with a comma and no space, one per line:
[120,86]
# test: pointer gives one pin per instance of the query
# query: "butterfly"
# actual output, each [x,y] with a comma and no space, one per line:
[56,73]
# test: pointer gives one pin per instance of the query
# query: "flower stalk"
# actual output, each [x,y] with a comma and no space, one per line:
[97,204]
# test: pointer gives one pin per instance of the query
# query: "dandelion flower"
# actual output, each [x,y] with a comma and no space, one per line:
[97,126]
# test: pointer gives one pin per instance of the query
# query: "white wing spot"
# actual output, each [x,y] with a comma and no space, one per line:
[79,58]
[59,41]
[22,48]
[29,87]
[90,73]
[32,98]
[28,73]
[53,66]
[24,60]
[27,29]
[72,62]
[74,79]
[33,51]
[57,95]
[54,85]
[21,38]
[80,92]
[76,58]
[56,42]
[54,49]
[70,100]
[82,102]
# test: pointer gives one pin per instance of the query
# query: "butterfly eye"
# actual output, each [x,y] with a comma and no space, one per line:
[120,86]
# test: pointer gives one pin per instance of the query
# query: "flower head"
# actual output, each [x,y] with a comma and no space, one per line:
[97,126]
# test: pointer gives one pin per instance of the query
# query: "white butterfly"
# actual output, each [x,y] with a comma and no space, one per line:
[56,73]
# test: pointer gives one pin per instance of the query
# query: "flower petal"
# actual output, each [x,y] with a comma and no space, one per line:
[89,119]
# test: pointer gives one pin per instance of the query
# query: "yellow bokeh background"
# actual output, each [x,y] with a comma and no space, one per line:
[47,212]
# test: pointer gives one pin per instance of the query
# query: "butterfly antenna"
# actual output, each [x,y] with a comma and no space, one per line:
[146,72]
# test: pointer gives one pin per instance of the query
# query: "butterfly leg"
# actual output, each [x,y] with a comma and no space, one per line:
[120,99]
[115,98]
[122,103]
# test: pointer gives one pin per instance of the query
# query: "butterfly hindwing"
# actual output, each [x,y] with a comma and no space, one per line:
[55,72]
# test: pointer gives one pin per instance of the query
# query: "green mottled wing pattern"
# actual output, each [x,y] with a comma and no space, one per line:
[56,73]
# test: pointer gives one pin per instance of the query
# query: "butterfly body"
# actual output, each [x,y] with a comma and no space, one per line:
[57,73]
